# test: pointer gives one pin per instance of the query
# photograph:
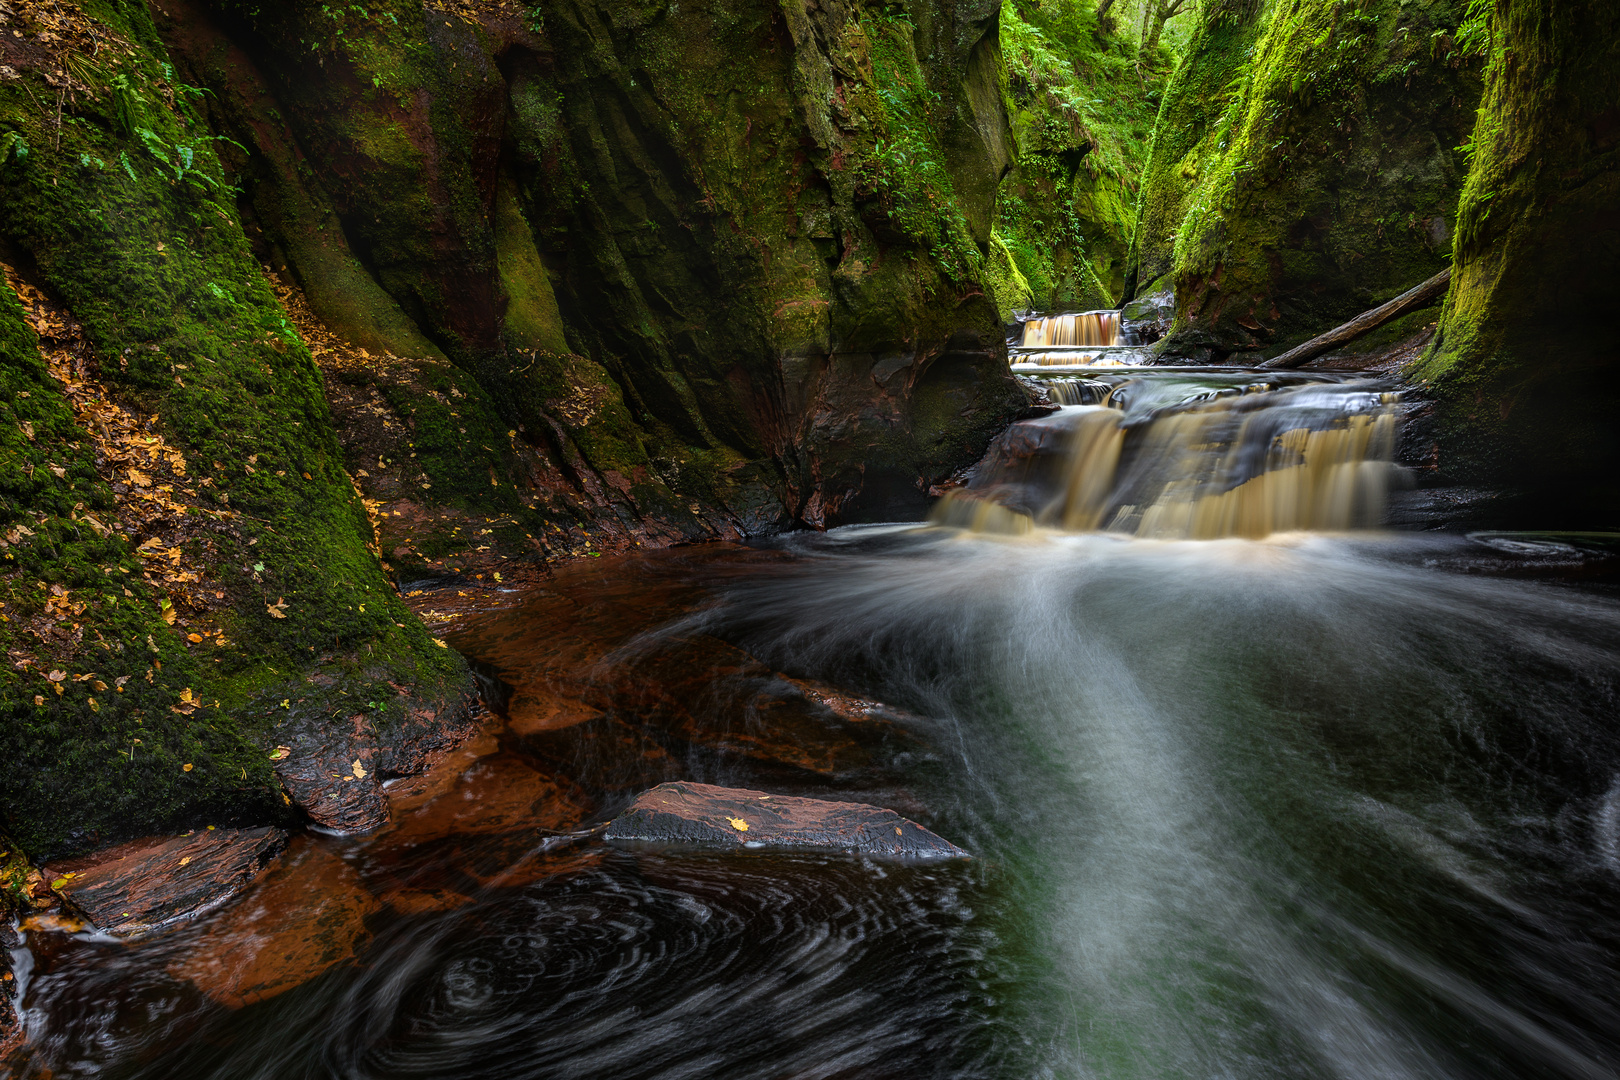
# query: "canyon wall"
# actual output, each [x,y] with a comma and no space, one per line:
[1522,366]
[1305,167]
[318,302]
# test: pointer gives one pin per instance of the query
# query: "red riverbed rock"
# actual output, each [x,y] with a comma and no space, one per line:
[306,915]
[11,1033]
[144,884]
[701,815]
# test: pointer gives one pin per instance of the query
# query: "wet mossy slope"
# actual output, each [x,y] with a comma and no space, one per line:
[1083,105]
[143,691]
[1306,166]
[1523,363]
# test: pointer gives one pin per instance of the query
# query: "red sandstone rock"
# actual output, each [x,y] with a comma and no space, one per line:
[145,884]
[701,815]
[306,915]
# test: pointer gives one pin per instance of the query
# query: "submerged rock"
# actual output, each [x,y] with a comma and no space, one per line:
[305,916]
[146,883]
[703,815]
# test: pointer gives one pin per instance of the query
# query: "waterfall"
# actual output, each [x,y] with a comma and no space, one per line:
[1188,457]
[1086,328]
[1087,338]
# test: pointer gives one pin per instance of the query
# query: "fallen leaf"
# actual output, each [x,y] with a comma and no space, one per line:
[738,823]
[57,676]
[186,767]
[440,643]
[186,859]
[359,770]
[195,639]
[280,753]
[139,479]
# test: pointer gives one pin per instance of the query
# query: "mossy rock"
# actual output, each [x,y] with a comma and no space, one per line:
[1304,167]
[1523,361]
[124,217]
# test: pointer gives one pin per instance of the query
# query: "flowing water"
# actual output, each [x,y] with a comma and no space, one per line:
[1089,337]
[1317,804]
[1194,455]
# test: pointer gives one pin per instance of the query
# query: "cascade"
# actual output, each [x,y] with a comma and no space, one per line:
[1173,456]
[1086,338]
[1085,328]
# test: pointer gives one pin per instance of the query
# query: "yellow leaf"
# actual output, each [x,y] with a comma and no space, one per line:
[359,770]
[275,612]
[186,859]
[186,767]
[440,643]
[139,479]
[194,638]
[738,823]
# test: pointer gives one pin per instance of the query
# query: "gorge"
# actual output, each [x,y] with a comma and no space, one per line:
[437,432]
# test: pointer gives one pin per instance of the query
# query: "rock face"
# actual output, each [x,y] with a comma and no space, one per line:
[1303,168]
[569,277]
[1523,361]
[145,884]
[701,815]
[1082,107]
[721,266]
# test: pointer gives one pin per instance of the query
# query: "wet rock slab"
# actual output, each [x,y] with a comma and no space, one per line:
[11,1032]
[701,815]
[144,884]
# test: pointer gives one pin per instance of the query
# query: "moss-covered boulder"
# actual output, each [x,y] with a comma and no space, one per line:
[1523,363]
[1305,166]
[183,548]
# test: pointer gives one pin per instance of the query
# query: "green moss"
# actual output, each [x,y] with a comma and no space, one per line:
[149,256]
[1523,359]
[1082,111]
[1304,170]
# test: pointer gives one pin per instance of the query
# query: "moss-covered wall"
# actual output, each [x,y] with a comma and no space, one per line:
[1523,363]
[1083,104]
[646,230]
[1305,167]
[162,607]
[770,224]
[541,280]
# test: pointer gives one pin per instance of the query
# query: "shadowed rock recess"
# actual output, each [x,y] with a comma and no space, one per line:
[319,300]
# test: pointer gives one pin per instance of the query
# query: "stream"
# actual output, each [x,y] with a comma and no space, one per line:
[1254,788]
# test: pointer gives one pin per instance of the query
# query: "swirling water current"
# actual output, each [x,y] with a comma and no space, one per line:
[1336,806]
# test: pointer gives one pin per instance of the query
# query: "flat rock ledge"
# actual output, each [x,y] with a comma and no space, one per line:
[140,886]
[700,815]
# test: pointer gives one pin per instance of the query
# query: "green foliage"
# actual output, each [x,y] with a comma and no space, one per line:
[1290,187]
[1083,108]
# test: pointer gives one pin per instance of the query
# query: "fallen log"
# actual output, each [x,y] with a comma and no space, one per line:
[1365,323]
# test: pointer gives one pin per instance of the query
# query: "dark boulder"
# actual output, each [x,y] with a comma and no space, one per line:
[701,815]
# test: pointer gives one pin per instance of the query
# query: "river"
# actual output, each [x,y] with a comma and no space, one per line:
[1305,799]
